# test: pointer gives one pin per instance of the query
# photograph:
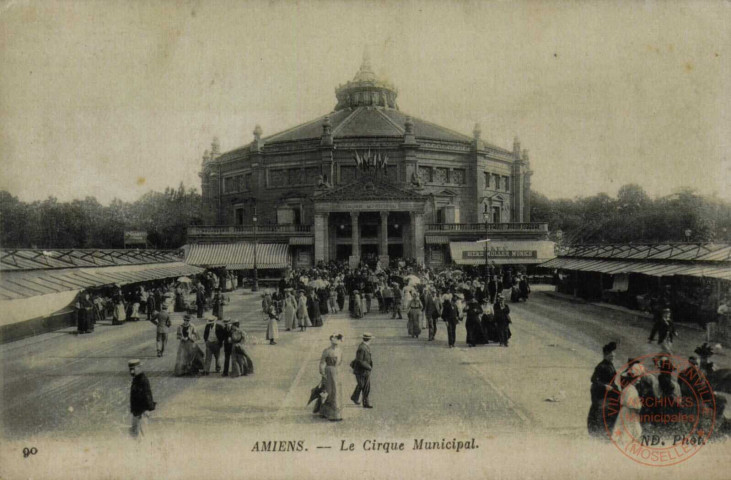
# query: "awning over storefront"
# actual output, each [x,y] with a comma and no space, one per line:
[239,256]
[655,269]
[30,283]
[502,252]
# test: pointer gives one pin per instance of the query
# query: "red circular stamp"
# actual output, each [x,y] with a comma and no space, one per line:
[660,411]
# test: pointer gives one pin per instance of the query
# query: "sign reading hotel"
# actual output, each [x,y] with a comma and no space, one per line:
[499,253]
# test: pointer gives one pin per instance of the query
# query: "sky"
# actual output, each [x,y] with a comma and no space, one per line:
[117,98]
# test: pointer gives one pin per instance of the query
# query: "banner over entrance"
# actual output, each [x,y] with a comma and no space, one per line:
[501,252]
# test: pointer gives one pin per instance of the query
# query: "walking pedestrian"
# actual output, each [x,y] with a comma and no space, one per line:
[396,301]
[213,335]
[227,345]
[140,398]
[449,315]
[415,307]
[162,328]
[432,311]
[362,368]
[303,317]
[330,361]
[665,330]
[272,327]
[502,320]
[601,387]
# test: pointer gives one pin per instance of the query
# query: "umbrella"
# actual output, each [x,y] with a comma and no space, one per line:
[185,280]
[412,279]
[316,392]
[319,283]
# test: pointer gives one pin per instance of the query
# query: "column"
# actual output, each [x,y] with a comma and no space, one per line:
[384,239]
[320,236]
[356,234]
[417,234]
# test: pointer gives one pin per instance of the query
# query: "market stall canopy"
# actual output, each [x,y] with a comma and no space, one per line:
[502,252]
[658,260]
[239,256]
[30,283]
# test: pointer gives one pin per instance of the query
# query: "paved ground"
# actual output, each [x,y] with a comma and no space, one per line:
[59,385]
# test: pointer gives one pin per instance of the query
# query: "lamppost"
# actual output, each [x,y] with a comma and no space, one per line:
[255,285]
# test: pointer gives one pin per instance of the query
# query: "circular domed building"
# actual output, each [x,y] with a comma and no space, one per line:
[365,180]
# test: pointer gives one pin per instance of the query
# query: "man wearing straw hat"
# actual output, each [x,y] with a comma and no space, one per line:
[140,398]
[213,334]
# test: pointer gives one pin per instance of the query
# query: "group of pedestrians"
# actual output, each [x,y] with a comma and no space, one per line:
[667,398]
[331,388]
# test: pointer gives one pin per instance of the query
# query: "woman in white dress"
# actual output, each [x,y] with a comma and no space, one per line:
[290,311]
[272,326]
[627,428]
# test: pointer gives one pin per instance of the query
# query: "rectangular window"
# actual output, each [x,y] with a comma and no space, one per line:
[496,181]
[228,185]
[507,184]
[441,175]
[487,179]
[239,216]
[247,181]
[458,176]
[312,175]
[425,174]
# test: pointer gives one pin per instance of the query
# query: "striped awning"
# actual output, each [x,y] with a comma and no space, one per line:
[655,269]
[239,256]
[24,284]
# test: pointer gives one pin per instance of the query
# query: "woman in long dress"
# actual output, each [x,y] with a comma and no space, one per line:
[331,359]
[627,428]
[357,305]
[313,309]
[240,362]
[272,327]
[489,331]
[303,317]
[290,311]
[190,356]
[412,325]
[473,325]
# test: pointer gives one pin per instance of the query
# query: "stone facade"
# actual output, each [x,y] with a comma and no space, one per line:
[461,178]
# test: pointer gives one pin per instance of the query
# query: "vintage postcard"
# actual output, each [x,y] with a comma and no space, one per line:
[368,239]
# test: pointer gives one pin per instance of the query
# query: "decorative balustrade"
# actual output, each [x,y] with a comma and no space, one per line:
[213,230]
[487,227]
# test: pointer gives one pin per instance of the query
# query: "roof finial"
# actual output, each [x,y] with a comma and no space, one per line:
[366,65]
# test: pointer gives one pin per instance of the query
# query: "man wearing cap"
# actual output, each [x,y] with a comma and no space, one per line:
[213,334]
[362,367]
[140,398]
[228,345]
[162,322]
[601,387]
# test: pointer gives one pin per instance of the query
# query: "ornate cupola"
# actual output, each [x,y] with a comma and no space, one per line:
[366,90]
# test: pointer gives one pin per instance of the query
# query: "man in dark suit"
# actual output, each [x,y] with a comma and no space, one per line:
[140,398]
[228,345]
[449,315]
[432,311]
[162,321]
[214,335]
[362,367]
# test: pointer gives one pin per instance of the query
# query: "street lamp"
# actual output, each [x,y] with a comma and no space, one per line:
[487,275]
[255,285]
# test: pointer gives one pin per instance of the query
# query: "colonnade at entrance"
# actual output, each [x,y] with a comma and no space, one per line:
[355,235]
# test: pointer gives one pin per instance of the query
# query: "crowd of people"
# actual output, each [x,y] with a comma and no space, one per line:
[656,397]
